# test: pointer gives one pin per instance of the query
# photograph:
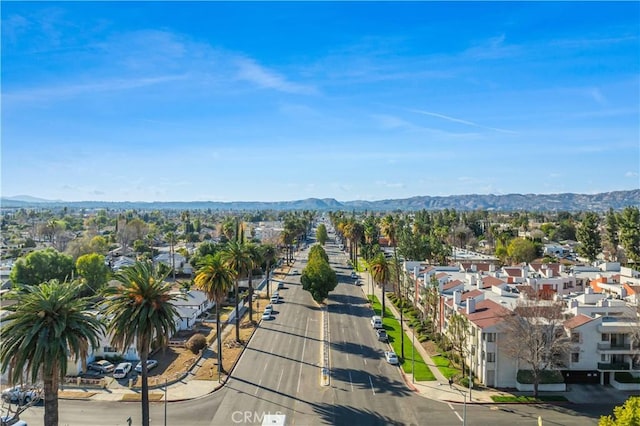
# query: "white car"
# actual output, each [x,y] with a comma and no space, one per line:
[20,395]
[391,357]
[122,370]
[266,316]
[151,364]
[275,298]
[268,309]
[102,366]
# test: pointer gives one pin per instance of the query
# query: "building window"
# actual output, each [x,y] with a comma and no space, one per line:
[605,337]
[575,357]
[575,337]
[603,358]
[491,337]
[491,357]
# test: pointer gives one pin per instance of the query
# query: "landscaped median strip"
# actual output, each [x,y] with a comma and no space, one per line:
[392,326]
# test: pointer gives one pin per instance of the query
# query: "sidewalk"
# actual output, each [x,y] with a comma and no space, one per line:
[438,389]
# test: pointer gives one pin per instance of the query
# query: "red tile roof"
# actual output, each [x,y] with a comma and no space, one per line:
[452,284]
[577,321]
[489,281]
[487,314]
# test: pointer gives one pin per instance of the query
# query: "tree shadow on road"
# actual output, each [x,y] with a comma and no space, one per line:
[345,415]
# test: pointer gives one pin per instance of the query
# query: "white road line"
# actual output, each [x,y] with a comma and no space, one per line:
[458,416]
[350,381]
[258,387]
[304,345]
[365,361]
[370,381]
[279,380]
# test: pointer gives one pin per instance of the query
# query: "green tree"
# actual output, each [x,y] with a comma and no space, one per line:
[458,336]
[236,257]
[269,253]
[317,277]
[627,414]
[255,260]
[390,228]
[522,250]
[215,278]
[379,270]
[321,234]
[41,266]
[629,222]
[611,234]
[94,273]
[140,312]
[47,324]
[589,236]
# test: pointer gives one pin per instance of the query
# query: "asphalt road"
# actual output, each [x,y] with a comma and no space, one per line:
[279,373]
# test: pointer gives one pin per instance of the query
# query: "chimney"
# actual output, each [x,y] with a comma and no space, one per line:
[474,268]
[573,303]
[415,272]
[492,267]
[457,296]
[425,280]
[471,305]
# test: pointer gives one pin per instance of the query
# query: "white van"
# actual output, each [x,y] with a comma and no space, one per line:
[376,321]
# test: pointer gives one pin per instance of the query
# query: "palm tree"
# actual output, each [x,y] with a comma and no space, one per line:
[215,278]
[47,323]
[236,257]
[139,310]
[255,259]
[390,230]
[379,269]
[268,254]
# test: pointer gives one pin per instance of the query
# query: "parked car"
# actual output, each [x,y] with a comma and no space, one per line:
[103,366]
[275,298]
[12,420]
[391,357]
[268,309]
[376,321]
[20,395]
[151,364]
[354,275]
[280,285]
[382,335]
[266,315]
[122,370]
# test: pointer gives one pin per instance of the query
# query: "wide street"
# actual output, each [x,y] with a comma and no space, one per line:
[279,373]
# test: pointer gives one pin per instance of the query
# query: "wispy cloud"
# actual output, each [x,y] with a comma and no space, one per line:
[70,90]
[631,174]
[386,184]
[493,48]
[461,121]
[249,70]
[581,43]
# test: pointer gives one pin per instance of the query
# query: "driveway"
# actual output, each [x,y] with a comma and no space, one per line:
[594,394]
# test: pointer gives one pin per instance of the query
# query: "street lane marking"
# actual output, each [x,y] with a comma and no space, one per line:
[370,381]
[258,387]
[350,381]
[279,380]
[455,412]
[304,345]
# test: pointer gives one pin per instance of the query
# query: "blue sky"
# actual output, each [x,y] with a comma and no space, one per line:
[268,101]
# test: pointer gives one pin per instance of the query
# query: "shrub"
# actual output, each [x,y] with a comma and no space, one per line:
[546,377]
[626,377]
[196,343]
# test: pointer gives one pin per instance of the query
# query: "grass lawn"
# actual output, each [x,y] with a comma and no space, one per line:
[392,326]
[529,399]
[444,365]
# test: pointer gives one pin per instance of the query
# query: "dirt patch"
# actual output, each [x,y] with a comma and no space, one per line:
[173,362]
[430,347]
[75,394]
[137,397]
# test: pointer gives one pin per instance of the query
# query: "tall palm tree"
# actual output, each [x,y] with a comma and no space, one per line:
[268,254]
[47,323]
[379,269]
[140,312]
[215,278]
[236,257]
[390,227]
[255,259]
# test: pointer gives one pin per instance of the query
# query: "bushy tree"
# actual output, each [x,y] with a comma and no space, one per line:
[627,414]
[317,277]
[94,273]
[589,236]
[196,343]
[629,222]
[41,266]
[321,234]
[522,250]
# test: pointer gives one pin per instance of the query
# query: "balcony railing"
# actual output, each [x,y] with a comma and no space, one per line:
[616,366]
[617,347]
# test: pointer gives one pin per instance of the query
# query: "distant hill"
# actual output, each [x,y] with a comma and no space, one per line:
[509,202]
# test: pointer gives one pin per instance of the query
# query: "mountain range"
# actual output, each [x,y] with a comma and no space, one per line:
[508,202]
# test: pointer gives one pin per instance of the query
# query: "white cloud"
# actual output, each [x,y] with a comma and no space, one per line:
[631,174]
[461,121]
[250,70]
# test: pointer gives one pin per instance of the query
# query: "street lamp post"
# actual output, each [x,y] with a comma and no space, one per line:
[165,402]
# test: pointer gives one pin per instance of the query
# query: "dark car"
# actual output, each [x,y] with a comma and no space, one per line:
[382,335]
